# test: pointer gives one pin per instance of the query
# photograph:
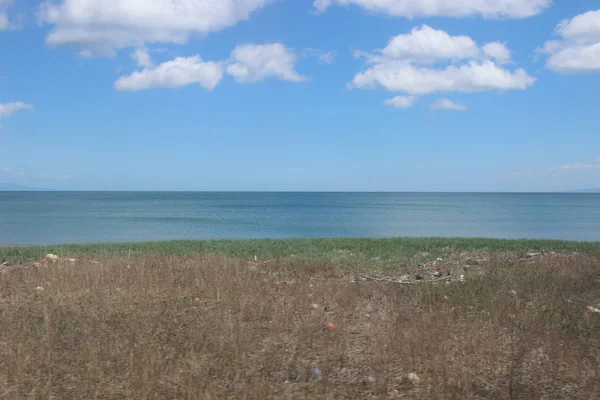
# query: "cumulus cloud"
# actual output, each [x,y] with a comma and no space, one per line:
[101,26]
[400,101]
[142,57]
[8,109]
[427,61]
[4,22]
[445,8]
[578,49]
[181,71]
[498,51]
[447,104]
[249,63]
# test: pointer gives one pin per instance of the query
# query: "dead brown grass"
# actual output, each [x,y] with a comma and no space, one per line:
[132,330]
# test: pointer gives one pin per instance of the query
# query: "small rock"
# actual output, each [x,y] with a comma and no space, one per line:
[315,373]
[462,278]
[440,259]
[369,380]
[413,378]
[593,309]
[71,260]
[437,274]
[328,308]
[314,306]
[512,292]
[39,289]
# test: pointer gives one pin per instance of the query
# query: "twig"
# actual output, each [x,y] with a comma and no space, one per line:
[380,279]
[4,263]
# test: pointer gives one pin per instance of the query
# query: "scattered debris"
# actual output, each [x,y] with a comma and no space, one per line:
[71,260]
[314,306]
[440,259]
[330,326]
[4,263]
[39,289]
[531,255]
[413,378]
[512,292]
[197,300]
[369,380]
[593,309]
[315,373]
[311,286]
[328,308]
[420,277]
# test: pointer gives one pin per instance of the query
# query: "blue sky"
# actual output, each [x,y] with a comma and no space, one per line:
[375,95]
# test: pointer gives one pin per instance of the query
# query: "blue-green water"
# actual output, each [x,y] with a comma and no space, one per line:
[76,217]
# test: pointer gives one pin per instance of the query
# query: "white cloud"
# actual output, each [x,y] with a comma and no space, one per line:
[179,72]
[251,63]
[498,51]
[4,21]
[427,61]
[425,45]
[142,57]
[400,101]
[578,50]
[583,27]
[101,26]
[445,8]
[447,104]
[8,109]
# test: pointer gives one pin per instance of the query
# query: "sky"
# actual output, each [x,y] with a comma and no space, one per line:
[300,95]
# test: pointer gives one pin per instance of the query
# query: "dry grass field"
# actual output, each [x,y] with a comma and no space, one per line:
[206,326]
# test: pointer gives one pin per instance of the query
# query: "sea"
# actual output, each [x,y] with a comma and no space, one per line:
[92,217]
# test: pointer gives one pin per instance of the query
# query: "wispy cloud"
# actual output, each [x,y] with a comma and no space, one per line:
[447,104]
[565,170]
[326,57]
[8,109]
[9,174]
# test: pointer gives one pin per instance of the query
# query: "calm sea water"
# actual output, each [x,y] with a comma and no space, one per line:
[75,217]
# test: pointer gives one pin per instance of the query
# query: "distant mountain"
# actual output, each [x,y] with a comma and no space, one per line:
[11,187]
